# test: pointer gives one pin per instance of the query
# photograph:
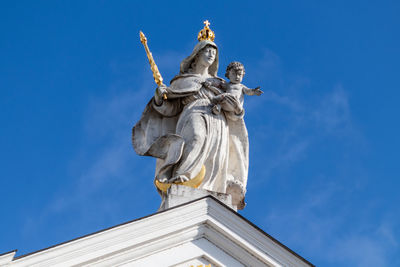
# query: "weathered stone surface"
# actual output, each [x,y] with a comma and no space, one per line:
[180,194]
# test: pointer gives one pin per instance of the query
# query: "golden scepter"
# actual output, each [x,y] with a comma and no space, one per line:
[156,73]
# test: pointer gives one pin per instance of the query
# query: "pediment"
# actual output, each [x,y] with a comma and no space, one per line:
[200,232]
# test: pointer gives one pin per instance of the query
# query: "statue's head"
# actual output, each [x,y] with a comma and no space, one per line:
[235,72]
[205,53]
[206,56]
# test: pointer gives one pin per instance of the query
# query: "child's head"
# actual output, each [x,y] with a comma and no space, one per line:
[235,72]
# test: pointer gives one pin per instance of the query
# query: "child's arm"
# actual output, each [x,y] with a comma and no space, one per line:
[255,91]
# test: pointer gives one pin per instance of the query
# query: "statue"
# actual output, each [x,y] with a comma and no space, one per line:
[195,127]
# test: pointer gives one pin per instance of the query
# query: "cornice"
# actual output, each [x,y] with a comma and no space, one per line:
[203,221]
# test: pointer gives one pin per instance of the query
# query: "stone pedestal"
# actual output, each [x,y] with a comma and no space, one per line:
[180,194]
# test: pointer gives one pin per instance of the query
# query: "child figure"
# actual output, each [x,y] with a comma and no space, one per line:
[234,90]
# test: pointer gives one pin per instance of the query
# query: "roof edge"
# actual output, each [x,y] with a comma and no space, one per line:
[160,212]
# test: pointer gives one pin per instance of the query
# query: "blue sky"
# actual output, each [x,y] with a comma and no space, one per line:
[324,137]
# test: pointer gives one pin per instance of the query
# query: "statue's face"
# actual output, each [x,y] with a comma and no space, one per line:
[207,56]
[236,76]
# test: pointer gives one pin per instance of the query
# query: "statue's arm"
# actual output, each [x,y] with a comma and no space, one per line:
[246,90]
[180,87]
[164,93]
[166,107]
[249,91]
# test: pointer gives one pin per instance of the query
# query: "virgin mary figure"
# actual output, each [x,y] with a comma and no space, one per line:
[193,146]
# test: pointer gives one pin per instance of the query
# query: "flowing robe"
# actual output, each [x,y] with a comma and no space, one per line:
[183,134]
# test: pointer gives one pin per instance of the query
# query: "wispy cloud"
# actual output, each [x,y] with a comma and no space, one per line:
[313,227]
[333,112]
[291,122]
[326,219]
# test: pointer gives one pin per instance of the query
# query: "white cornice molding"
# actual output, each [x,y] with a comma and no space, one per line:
[7,257]
[197,222]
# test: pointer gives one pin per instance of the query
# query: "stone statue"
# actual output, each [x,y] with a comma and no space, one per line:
[195,146]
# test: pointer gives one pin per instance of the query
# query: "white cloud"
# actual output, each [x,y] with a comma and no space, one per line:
[333,112]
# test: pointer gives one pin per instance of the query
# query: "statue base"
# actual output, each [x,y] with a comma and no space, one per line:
[180,194]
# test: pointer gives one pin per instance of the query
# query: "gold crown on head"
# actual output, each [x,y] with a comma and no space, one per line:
[206,33]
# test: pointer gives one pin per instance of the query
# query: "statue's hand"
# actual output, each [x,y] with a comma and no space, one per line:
[162,89]
[257,91]
[217,99]
[159,94]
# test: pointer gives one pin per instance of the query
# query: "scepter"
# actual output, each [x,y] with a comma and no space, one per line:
[156,73]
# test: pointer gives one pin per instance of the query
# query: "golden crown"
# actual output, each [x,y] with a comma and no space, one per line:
[206,33]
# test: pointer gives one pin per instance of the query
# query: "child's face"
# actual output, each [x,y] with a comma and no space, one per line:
[236,76]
